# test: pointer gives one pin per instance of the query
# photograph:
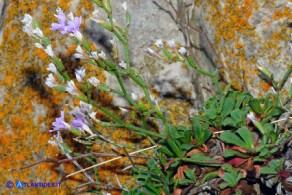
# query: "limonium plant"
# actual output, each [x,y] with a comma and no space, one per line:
[235,145]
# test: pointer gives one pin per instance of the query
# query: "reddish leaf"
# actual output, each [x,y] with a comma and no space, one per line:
[221,172]
[168,164]
[236,161]
[239,149]
[180,173]
[177,191]
[285,174]
[192,152]
[258,170]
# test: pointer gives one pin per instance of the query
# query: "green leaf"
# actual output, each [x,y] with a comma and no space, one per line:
[211,113]
[224,185]
[231,138]
[259,159]
[209,176]
[201,159]
[255,105]
[190,173]
[239,116]
[268,170]
[228,106]
[268,103]
[229,122]
[230,153]
[264,152]
[229,179]
[246,135]
[202,132]
[244,96]
[185,181]
[166,150]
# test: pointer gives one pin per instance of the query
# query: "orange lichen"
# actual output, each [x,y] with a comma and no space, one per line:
[239,45]
[233,29]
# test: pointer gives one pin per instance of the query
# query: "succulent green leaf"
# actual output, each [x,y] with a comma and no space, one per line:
[230,153]
[229,122]
[228,106]
[231,138]
[246,135]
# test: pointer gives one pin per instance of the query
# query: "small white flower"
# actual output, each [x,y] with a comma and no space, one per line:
[183,51]
[94,55]
[92,115]
[251,116]
[38,45]
[134,96]
[151,51]
[51,81]
[154,53]
[27,22]
[77,34]
[159,43]
[49,51]
[86,128]
[124,109]
[27,19]
[123,65]
[79,49]
[94,81]
[78,55]
[28,30]
[38,32]
[97,17]
[171,43]
[85,106]
[80,74]
[71,88]
[102,55]
[289,4]
[52,68]
[124,5]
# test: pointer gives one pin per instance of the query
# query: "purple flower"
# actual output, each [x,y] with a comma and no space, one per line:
[61,16]
[73,25]
[79,124]
[60,123]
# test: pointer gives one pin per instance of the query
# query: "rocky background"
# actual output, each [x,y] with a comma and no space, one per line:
[229,35]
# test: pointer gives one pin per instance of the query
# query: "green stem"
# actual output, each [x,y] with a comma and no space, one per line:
[285,77]
[127,55]
[141,130]
[192,64]
[112,116]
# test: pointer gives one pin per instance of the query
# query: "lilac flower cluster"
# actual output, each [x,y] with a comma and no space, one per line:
[82,121]
[66,27]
